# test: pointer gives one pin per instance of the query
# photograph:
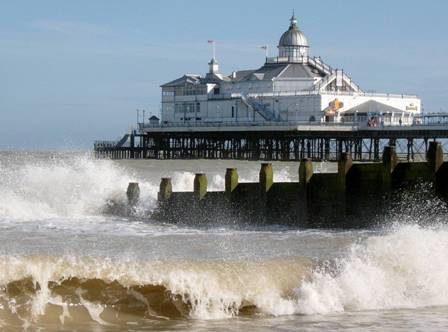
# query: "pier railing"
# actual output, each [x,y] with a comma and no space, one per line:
[420,121]
[313,61]
[105,144]
[217,124]
[286,93]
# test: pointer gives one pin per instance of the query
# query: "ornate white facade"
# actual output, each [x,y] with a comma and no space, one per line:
[293,87]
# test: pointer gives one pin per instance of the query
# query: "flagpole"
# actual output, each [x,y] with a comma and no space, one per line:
[213,47]
[265,48]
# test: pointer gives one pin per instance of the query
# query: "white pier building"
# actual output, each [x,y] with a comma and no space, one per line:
[292,87]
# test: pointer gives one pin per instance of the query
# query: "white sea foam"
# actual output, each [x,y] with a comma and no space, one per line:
[404,269]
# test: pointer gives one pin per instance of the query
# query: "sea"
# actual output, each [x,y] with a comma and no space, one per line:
[68,264]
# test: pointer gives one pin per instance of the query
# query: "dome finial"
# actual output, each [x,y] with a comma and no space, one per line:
[293,19]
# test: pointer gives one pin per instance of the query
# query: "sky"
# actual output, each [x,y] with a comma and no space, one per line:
[72,72]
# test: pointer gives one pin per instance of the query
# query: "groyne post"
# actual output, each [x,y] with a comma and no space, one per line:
[261,198]
[200,186]
[305,171]
[305,197]
[390,161]
[231,180]
[133,193]
[165,189]
[438,168]
[344,165]
[266,177]
[434,156]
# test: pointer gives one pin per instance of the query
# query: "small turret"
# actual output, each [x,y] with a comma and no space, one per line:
[213,66]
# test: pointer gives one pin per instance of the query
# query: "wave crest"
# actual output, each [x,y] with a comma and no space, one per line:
[33,285]
[406,268]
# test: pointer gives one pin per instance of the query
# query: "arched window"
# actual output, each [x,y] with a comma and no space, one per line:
[312,118]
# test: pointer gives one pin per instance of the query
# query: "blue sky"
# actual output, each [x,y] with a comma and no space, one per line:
[75,71]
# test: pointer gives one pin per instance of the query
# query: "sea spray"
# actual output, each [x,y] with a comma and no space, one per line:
[406,268]
[74,187]
[183,181]
[77,187]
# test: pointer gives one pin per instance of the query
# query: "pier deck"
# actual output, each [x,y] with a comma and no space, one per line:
[273,141]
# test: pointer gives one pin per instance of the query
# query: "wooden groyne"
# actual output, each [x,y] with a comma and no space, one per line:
[326,199]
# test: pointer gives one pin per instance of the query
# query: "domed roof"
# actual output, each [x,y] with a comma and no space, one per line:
[293,36]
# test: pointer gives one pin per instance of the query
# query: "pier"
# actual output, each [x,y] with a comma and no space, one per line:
[317,199]
[294,106]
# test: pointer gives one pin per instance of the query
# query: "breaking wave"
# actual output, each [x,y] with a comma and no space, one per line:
[80,186]
[37,288]
[60,187]
[405,268]
[77,187]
